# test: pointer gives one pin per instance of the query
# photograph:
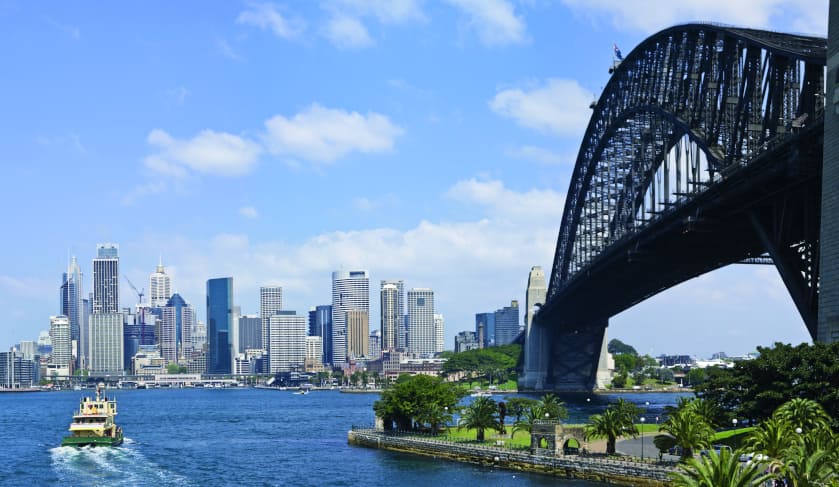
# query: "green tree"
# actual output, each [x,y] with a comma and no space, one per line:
[416,401]
[481,415]
[805,468]
[516,406]
[803,413]
[695,376]
[619,381]
[616,421]
[617,347]
[554,408]
[625,363]
[688,428]
[718,470]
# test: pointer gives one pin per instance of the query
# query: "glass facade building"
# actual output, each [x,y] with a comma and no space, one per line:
[220,325]
[320,324]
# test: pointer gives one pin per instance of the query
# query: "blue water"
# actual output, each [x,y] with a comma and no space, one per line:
[209,437]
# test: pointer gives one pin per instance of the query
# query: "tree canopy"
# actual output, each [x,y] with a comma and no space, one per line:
[417,401]
[617,347]
[754,389]
[492,361]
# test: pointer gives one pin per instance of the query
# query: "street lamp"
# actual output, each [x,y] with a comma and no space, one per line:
[734,423]
[799,430]
[642,437]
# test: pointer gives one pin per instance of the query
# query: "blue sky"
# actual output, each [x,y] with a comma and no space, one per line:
[430,141]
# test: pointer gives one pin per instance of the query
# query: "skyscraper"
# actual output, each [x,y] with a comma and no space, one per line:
[220,325]
[60,335]
[270,301]
[320,324]
[507,324]
[159,287]
[350,291]
[358,334]
[106,344]
[167,338]
[485,329]
[402,322]
[391,316]
[421,321]
[184,315]
[536,292]
[106,279]
[73,308]
[288,341]
[250,333]
[439,333]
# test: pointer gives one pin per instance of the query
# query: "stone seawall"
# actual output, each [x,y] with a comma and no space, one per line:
[571,467]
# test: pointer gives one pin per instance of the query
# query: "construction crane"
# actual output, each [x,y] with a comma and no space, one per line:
[140,294]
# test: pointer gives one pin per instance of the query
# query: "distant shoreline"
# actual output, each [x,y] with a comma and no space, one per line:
[28,389]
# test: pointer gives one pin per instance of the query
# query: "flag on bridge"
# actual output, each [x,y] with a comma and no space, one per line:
[618,53]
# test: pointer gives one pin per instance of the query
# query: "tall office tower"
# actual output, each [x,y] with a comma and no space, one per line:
[106,344]
[106,279]
[391,316]
[287,333]
[220,325]
[320,324]
[507,324]
[184,315]
[485,329]
[131,335]
[199,337]
[421,321]
[375,350]
[314,352]
[350,292]
[60,334]
[537,290]
[72,306]
[250,333]
[159,287]
[402,319]
[358,333]
[29,349]
[167,339]
[270,301]
[439,333]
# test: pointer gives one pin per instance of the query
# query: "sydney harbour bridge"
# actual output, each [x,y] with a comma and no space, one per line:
[704,150]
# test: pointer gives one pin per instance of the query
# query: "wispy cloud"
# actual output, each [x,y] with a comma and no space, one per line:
[559,107]
[495,21]
[347,33]
[70,30]
[72,141]
[227,51]
[179,94]
[540,155]
[322,135]
[209,152]
[345,27]
[267,16]
[649,16]
[248,212]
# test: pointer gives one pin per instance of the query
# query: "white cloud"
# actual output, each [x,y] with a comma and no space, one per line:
[323,135]
[266,16]
[504,204]
[209,152]
[649,16]
[495,21]
[249,212]
[559,107]
[347,33]
[227,51]
[386,11]
[541,155]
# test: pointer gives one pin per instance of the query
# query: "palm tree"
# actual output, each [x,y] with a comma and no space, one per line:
[525,421]
[719,470]
[772,438]
[803,413]
[553,407]
[482,414]
[803,468]
[689,429]
[612,424]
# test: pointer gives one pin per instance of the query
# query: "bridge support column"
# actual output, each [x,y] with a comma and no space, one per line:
[828,314]
[575,357]
[536,354]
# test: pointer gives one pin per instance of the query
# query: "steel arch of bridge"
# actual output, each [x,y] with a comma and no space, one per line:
[691,117]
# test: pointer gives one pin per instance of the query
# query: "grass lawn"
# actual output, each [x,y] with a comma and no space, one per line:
[521,439]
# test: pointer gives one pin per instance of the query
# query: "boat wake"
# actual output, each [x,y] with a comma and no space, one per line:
[109,466]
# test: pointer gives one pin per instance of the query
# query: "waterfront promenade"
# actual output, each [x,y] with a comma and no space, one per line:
[590,468]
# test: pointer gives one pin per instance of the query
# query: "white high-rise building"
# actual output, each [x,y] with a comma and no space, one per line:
[160,287]
[167,338]
[401,324]
[270,301]
[350,292]
[421,336]
[62,351]
[391,317]
[439,333]
[287,332]
[106,344]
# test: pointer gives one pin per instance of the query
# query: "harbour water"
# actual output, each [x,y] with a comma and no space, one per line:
[240,436]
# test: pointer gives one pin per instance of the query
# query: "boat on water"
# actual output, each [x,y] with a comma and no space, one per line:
[302,391]
[93,424]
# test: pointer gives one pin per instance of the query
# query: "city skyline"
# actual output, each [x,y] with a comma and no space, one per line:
[433,143]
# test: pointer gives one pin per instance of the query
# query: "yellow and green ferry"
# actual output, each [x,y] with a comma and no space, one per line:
[93,424]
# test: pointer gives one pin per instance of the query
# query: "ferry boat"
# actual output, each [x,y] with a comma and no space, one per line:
[93,424]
